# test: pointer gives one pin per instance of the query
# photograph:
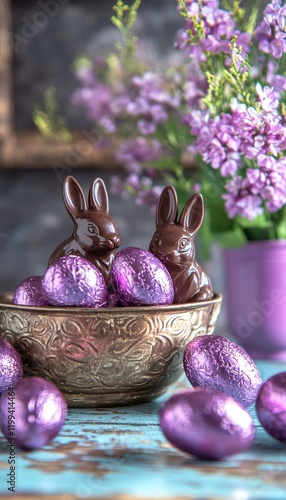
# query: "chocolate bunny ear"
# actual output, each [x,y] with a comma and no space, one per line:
[73,197]
[193,213]
[98,197]
[167,206]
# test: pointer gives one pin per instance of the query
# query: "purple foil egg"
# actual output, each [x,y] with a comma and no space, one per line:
[11,366]
[29,293]
[271,406]
[207,424]
[139,278]
[73,281]
[216,362]
[39,411]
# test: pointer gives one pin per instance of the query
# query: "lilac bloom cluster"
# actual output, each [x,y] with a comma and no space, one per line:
[229,140]
[264,184]
[140,105]
[149,106]
[143,99]
[137,151]
[238,129]
[218,29]
[246,144]
[140,182]
[151,103]
[142,187]
[270,33]
[103,103]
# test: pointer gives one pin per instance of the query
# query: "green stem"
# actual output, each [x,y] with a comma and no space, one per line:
[272,229]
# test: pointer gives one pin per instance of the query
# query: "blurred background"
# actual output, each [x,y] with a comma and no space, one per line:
[44,46]
[44,39]
[81,27]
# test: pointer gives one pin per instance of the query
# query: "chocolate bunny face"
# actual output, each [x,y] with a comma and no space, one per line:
[95,229]
[173,243]
[95,236]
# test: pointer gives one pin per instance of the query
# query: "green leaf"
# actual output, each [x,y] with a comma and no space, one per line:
[281,223]
[165,163]
[281,232]
[259,222]
[220,223]
[231,239]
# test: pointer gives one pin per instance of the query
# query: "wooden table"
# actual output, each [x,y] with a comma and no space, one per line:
[120,453]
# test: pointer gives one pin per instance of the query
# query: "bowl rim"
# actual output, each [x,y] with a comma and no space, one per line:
[5,303]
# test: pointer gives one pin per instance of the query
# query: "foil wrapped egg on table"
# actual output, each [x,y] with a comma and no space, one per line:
[271,406]
[206,423]
[38,409]
[218,363]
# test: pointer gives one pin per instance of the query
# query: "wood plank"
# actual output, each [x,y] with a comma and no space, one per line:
[121,453]
[5,70]
[29,149]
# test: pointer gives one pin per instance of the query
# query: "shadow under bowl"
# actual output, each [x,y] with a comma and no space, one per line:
[107,356]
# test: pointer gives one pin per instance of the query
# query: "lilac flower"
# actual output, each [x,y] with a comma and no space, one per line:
[264,184]
[244,41]
[270,181]
[194,85]
[219,30]
[151,119]
[268,98]
[261,132]
[271,31]
[117,187]
[85,75]
[196,119]
[150,102]
[213,4]
[152,87]
[149,194]
[217,141]
[138,107]
[240,201]
[192,93]
[278,82]
[119,105]
[133,153]
[97,102]
[146,192]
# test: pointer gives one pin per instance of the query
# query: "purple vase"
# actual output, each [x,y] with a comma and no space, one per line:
[256,298]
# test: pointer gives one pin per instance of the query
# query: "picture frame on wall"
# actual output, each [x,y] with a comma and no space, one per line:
[40,40]
[26,147]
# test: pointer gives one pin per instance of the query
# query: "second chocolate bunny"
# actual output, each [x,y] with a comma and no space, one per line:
[95,236]
[173,243]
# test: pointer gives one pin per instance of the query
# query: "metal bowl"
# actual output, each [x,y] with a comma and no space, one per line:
[107,356]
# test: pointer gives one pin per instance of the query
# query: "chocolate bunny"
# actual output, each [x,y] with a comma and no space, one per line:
[173,243]
[95,236]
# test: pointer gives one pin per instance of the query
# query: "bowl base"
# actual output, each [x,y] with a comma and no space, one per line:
[109,400]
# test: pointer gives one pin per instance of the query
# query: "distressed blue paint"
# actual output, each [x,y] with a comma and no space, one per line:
[122,451]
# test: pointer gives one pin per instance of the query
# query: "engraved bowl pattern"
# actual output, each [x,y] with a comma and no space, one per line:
[107,356]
